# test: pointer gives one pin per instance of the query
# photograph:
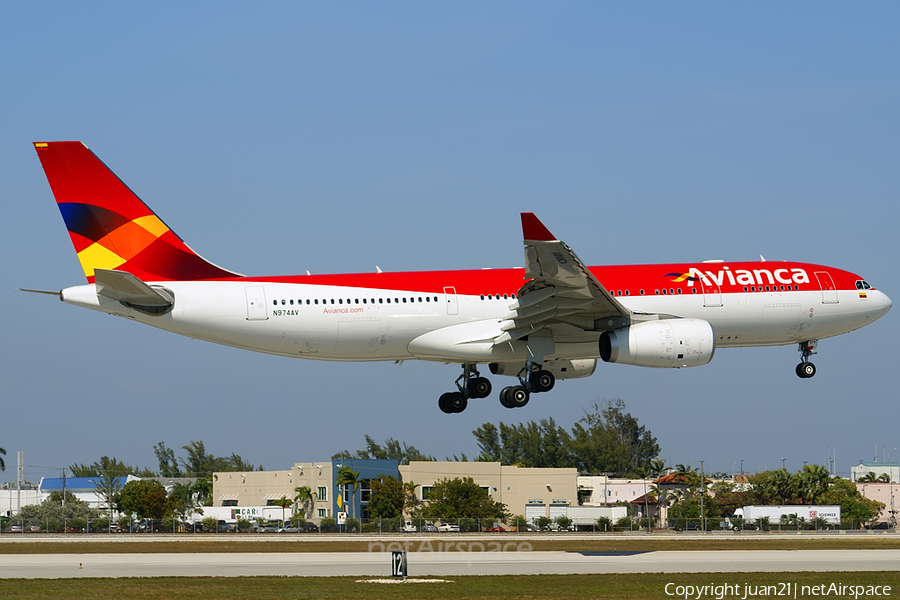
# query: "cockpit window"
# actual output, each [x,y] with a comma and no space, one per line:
[863,285]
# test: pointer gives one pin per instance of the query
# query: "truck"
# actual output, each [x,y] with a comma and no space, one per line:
[752,514]
[585,517]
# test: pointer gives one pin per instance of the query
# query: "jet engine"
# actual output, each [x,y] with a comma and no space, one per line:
[666,343]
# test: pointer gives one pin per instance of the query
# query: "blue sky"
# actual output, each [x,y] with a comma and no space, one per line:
[277,138]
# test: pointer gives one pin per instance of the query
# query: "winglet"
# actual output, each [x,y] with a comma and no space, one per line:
[533,229]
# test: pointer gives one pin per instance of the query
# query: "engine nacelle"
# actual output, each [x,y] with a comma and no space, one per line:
[666,343]
[561,369]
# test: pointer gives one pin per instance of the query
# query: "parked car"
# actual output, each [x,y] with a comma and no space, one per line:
[16,529]
[310,528]
[448,527]
[408,527]
[268,527]
[34,528]
[495,528]
[429,527]
[289,529]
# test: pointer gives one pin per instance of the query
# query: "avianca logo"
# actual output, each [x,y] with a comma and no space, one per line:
[741,276]
[679,277]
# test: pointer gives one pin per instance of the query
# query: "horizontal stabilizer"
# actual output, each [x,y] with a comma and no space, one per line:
[132,292]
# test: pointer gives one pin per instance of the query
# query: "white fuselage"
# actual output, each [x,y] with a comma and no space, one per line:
[363,324]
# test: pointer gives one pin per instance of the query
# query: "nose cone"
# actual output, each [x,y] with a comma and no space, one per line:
[881,305]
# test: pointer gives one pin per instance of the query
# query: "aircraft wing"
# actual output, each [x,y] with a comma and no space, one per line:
[561,290]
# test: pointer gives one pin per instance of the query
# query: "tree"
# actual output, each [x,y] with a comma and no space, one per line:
[107,466]
[455,498]
[347,477]
[53,514]
[284,503]
[108,487]
[168,464]
[2,462]
[145,497]
[606,439]
[390,497]
[184,500]
[304,495]
[392,450]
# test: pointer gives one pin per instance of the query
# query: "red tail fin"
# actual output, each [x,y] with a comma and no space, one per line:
[110,227]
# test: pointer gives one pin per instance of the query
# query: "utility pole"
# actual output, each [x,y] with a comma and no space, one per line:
[702,493]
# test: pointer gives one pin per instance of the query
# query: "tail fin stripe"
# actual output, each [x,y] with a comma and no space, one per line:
[110,227]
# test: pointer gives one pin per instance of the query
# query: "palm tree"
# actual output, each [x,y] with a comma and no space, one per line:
[283,502]
[348,477]
[304,495]
[2,462]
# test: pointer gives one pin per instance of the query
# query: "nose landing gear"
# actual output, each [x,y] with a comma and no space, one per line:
[806,369]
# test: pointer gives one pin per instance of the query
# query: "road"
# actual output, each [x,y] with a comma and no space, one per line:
[475,561]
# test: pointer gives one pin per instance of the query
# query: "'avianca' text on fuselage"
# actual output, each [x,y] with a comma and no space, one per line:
[554,319]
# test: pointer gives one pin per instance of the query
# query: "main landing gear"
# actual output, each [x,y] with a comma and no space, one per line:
[806,369]
[517,396]
[470,385]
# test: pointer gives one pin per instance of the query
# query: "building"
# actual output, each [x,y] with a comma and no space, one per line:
[600,490]
[886,493]
[530,492]
[258,489]
[891,470]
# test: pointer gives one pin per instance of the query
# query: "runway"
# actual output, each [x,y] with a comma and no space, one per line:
[439,563]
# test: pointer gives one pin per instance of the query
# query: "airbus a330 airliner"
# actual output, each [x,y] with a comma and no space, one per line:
[552,320]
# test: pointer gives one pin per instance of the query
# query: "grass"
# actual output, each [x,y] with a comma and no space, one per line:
[636,587]
[599,544]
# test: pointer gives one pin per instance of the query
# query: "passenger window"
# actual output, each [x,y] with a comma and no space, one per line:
[275,302]
[642,292]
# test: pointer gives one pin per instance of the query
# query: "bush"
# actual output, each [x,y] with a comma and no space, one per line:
[369,528]
[518,522]
[542,523]
[604,524]
[244,525]
[210,524]
[564,522]
[327,524]
[298,520]
[78,524]
[351,524]
[624,523]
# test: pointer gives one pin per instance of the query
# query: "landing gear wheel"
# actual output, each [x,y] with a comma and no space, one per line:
[542,381]
[805,370]
[444,403]
[516,396]
[480,387]
[503,398]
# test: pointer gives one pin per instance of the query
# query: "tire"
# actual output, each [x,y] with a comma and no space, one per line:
[517,396]
[504,393]
[542,381]
[806,370]
[457,402]
[480,387]
[444,403]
